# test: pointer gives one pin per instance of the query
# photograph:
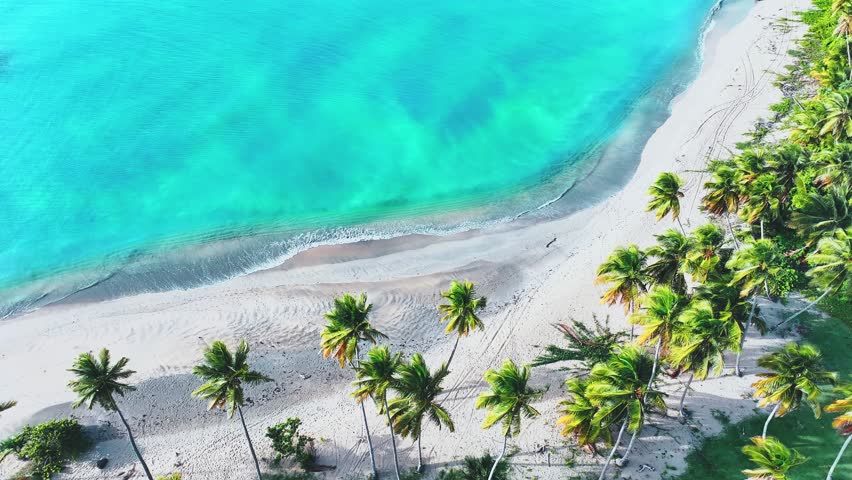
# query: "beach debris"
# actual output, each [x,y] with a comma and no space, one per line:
[102,463]
[645,466]
[304,376]
[550,243]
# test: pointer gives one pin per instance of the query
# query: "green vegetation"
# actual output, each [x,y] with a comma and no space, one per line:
[47,447]
[771,458]
[477,468]
[224,374]
[289,443]
[460,311]
[174,476]
[585,345]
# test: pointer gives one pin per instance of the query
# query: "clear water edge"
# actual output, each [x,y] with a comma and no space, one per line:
[196,260]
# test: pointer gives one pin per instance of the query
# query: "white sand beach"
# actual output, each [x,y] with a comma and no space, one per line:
[279,311]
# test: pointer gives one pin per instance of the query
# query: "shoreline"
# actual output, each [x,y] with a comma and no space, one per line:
[529,285]
[201,263]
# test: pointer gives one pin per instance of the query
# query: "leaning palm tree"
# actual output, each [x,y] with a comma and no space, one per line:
[707,254]
[843,10]
[822,214]
[843,422]
[724,193]
[670,256]
[772,459]
[621,387]
[796,375]
[348,325]
[98,382]
[224,375]
[418,391]
[625,271]
[578,416]
[831,266]
[764,203]
[508,401]
[587,345]
[659,315]
[460,311]
[7,405]
[700,341]
[838,119]
[665,197]
[375,375]
[752,268]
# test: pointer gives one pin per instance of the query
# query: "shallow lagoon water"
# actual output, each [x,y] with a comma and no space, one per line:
[134,127]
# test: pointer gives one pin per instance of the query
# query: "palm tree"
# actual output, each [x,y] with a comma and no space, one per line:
[670,255]
[224,375]
[418,392]
[843,422]
[821,214]
[700,341]
[838,106]
[796,375]
[375,375]
[723,196]
[752,268]
[786,162]
[7,405]
[508,401]
[460,311]
[589,346]
[660,311]
[621,387]
[707,252]
[725,297]
[772,458]
[834,165]
[831,266]
[578,416]
[764,201]
[348,325]
[98,382]
[750,164]
[625,271]
[665,197]
[842,9]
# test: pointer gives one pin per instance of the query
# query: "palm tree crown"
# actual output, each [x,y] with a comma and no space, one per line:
[348,324]
[418,398]
[832,261]
[659,315]
[724,191]
[670,255]
[376,374]
[510,398]
[460,311]
[772,459]
[665,195]
[625,270]
[224,375]
[795,375]
[754,266]
[98,382]
[578,415]
[701,339]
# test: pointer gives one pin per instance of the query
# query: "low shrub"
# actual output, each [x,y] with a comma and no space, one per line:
[174,476]
[289,443]
[48,446]
[289,476]
[477,468]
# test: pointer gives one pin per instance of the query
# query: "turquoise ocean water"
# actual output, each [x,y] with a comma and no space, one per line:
[130,128]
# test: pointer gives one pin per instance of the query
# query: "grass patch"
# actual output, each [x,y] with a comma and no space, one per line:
[720,456]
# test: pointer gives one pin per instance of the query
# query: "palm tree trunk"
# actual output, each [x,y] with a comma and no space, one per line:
[419,456]
[251,447]
[133,444]
[612,452]
[806,308]
[745,332]
[733,235]
[771,416]
[393,439]
[452,354]
[840,454]
[848,59]
[369,442]
[656,361]
[761,229]
[685,391]
[502,452]
[681,225]
[632,325]
[623,460]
